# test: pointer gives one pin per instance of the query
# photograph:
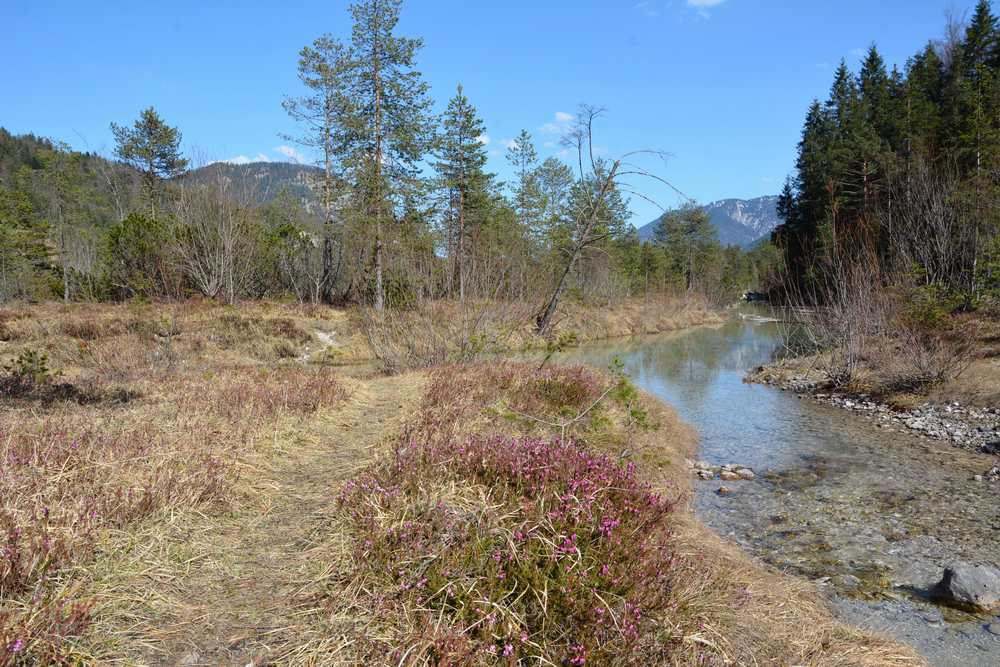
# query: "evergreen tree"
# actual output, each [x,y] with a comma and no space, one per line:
[980,48]
[877,95]
[386,128]
[322,69]
[689,241]
[922,94]
[461,158]
[522,157]
[23,255]
[153,148]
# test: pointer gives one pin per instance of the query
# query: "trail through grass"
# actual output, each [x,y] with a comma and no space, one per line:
[211,590]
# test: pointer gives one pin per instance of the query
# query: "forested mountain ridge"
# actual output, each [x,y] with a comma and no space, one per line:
[262,182]
[899,167]
[741,222]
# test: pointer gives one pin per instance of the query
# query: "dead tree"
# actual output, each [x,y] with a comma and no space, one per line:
[599,179]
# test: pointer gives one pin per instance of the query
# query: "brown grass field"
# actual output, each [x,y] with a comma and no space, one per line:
[193,484]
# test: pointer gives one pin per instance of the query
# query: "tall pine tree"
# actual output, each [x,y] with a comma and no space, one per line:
[461,158]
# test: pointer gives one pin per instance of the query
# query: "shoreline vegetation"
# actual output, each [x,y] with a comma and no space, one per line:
[194,483]
[955,403]
[338,466]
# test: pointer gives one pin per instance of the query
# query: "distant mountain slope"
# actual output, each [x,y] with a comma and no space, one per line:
[740,222]
[260,182]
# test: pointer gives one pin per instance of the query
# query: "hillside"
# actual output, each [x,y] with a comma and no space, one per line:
[740,222]
[260,182]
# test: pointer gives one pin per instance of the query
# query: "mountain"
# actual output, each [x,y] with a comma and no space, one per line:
[741,222]
[260,182]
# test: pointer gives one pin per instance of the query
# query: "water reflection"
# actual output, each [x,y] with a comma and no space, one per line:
[875,514]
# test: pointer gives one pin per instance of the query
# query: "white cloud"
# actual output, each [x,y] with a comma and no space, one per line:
[509,143]
[291,154]
[559,125]
[243,159]
[484,139]
[702,6]
[857,53]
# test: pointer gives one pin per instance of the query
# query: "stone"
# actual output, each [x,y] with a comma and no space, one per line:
[977,478]
[972,587]
[993,629]
[746,473]
[729,476]
[846,581]
[724,491]
[704,474]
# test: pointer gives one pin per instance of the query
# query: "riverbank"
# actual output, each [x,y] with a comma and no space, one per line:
[872,517]
[936,415]
[76,335]
[197,497]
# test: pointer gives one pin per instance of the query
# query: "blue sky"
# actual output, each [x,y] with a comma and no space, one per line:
[722,85]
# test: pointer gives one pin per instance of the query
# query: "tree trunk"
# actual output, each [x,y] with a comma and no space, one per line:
[461,246]
[379,301]
[545,317]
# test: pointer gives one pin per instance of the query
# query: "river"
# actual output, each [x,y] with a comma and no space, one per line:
[872,515]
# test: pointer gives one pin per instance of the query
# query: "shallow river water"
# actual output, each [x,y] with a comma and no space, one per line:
[873,515]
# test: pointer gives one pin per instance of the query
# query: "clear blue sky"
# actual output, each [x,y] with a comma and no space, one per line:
[723,85]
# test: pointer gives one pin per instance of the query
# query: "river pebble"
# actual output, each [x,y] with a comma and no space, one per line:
[730,472]
[969,427]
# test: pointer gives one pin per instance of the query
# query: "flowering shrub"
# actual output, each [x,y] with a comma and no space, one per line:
[515,549]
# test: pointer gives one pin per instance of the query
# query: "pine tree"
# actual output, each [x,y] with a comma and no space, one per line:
[23,255]
[461,158]
[876,95]
[977,129]
[979,50]
[522,157]
[322,68]
[386,129]
[922,103]
[689,240]
[152,147]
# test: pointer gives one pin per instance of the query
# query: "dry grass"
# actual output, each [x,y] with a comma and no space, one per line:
[201,520]
[129,419]
[720,608]
[442,332]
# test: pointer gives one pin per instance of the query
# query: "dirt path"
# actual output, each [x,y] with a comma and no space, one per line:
[229,595]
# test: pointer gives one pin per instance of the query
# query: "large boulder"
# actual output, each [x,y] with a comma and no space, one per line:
[971,587]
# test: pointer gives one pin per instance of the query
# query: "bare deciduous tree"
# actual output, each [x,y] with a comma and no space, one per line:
[217,243]
[599,181]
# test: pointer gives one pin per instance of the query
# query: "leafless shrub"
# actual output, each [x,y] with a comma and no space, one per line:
[853,310]
[437,332]
[217,249]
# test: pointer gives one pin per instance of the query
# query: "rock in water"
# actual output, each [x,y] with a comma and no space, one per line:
[972,587]
[724,491]
[728,476]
